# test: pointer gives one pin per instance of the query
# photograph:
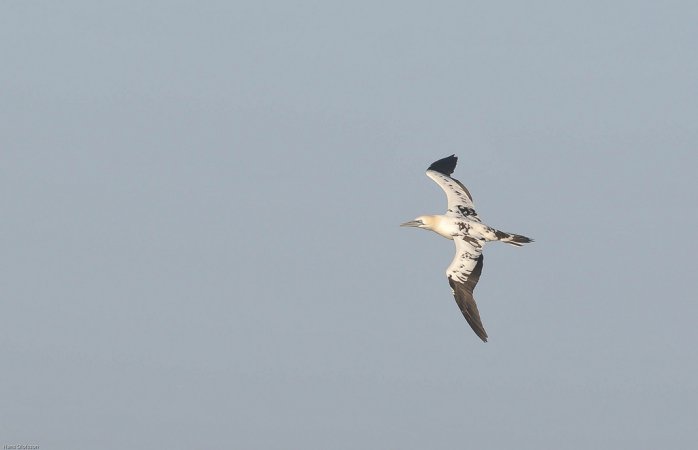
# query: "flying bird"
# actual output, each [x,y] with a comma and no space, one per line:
[462,225]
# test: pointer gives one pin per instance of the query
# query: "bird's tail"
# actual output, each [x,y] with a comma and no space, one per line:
[513,239]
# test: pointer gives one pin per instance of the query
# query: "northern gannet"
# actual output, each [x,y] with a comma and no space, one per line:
[462,225]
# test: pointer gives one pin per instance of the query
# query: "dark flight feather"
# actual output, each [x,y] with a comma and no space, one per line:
[445,165]
[463,293]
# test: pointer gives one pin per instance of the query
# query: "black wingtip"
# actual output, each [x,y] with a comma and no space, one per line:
[463,293]
[481,333]
[445,165]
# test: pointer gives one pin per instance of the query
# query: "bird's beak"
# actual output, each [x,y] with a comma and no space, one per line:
[412,223]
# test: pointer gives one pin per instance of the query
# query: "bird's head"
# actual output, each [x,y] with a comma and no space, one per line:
[420,222]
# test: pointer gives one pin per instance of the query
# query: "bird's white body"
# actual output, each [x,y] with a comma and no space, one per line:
[462,225]
[449,226]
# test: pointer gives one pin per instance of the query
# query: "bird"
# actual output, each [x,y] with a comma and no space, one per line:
[463,226]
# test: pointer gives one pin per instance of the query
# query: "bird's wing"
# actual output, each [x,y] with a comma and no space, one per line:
[460,202]
[463,274]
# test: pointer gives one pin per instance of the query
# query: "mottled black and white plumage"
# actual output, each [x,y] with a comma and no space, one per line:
[462,225]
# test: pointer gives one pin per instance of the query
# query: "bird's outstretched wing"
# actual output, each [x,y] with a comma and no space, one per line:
[460,202]
[463,274]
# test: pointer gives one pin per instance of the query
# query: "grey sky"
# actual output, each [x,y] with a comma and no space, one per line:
[200,210]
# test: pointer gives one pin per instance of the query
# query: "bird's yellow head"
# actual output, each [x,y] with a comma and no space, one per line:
[426,222]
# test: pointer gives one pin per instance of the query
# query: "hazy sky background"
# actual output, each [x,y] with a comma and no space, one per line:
[200,205]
